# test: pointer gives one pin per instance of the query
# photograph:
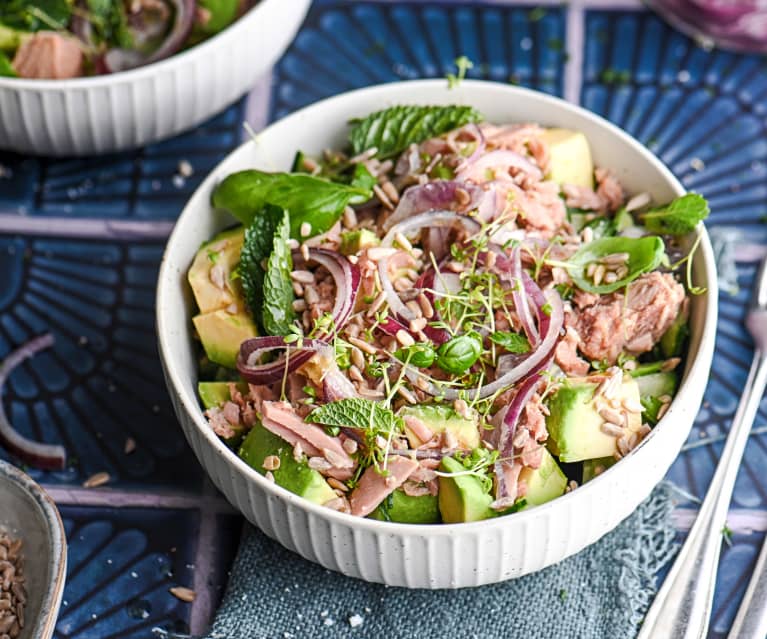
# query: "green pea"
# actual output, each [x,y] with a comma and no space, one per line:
[421,355]
[459,354]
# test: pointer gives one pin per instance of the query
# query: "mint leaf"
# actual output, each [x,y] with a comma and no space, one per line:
[362,178]
[278,313]
[392,130]
[256,247]
[356,412]
[644,254]
[512,342]
[308,199]
[678,217]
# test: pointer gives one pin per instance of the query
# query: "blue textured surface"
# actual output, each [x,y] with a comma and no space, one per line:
[703,112]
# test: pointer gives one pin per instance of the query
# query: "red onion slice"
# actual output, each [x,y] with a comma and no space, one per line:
[521,301]
[506,437]
[123,59]
[43,456]
[478,151]
[427,220]
[347,280]
[252,349]
[501,159]
[439,195]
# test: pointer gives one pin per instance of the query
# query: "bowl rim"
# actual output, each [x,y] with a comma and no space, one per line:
[110,79]
[55,587]
[191,404]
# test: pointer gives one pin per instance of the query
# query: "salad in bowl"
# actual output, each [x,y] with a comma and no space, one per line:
[63,39]
[444,320]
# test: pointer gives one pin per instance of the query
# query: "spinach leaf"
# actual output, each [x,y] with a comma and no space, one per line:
[678,217]
[278,313]
[356,412]
[644,254]
[392,130]
[256,247]
[6,70]
[221,13]
[362,178]
[308,199]
[512,342]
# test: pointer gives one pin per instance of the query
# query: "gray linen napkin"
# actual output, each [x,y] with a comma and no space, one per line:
[602,592]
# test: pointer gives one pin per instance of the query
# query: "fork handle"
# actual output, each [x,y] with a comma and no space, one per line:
[682,608]
[751,620]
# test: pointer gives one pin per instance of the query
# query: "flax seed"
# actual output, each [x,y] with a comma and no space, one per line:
[299,305]
[623,445]
[599,273]
[310,295]
[319,463]
[614,430]
[630,365]
[384,199]
[590,269]
[622,272]
[407,395]
[403,284]
[670,364]
[338,485]
[130,446]
[615,259]
[587,234]
[269,476]
[305,252]
[391,192]
[455,266]
[271,462]
[377,304]
[462,196]
[363,346]
[631,405]
[99,479]
[415,308]
[663,410]
[350,446]
[426,307]
[355,374]
[350,217]
[644,430]
[302,277]
[422,383]
[405,338]
[610,277]
[418,324]
[298,290]
[184,594]
[305,230]
[379,252]
[610,415]
[358,359]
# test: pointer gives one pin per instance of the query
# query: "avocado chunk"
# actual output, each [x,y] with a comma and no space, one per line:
[652,388]
[292,475]
[462,497]
[353,242]
[223,252]
[213,394]
[622,220]
[221,334]
[575,425]
[594,467]
[406,509]
[544,483]
[439,418]
[570,155]
[672,341]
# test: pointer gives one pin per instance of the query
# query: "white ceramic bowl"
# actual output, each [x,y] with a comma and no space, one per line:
[120,111]
[417,556]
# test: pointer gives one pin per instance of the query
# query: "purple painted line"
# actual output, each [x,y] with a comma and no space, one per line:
[739,520]
[85,228]
[111,498]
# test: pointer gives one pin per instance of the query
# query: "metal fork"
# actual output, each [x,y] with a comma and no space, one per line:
[682,608]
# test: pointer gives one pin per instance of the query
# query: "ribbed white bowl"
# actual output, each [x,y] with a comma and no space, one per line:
[446,556]
[126,110]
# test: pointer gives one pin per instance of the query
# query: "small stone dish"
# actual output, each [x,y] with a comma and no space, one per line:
[29,514]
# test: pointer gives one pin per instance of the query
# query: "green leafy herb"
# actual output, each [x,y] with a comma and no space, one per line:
[220,14]
[458,354]
[256,248]
[512,342]
[644,254]
[109,23]
[678,217]
[356,412]
[421,355]
[278,314]
[651,406]
[6,70]
[392,130]
[26,15]
[309,200]
[464,64]
[727,534]
[563,595]
[362,178]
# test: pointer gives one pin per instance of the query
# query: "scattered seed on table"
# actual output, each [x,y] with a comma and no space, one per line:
[184,594]
[99,479]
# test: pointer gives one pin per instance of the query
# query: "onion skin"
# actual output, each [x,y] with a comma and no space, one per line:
[42,456]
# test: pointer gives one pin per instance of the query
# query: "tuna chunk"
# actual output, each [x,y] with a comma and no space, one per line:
[373,488]
[635,325]
[609,195]
[49,55]
[566,355]
[282,414]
